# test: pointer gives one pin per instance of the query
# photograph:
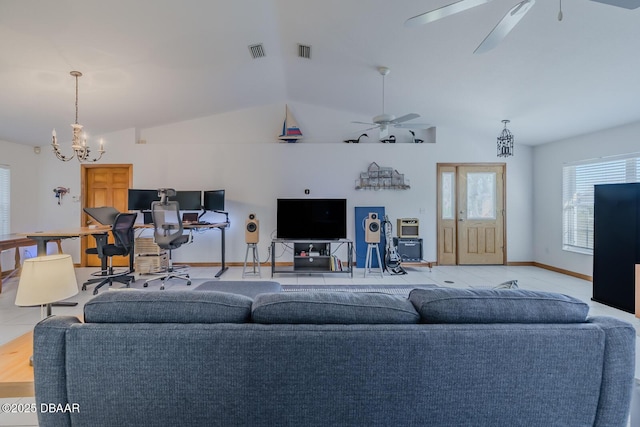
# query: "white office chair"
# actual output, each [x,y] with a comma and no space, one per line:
[168,234]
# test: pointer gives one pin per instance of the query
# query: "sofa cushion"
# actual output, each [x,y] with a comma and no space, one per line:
[168,307]
[452,305]
[333,308]
[249,288]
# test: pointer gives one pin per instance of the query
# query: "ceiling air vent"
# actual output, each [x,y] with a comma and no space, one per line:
[257,51]
[304,51]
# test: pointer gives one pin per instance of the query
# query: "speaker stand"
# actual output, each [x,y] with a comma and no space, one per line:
[367,264]
[256,261]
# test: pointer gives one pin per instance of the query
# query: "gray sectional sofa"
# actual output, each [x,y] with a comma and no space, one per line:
[442,357]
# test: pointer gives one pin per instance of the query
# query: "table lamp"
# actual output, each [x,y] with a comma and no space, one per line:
[45,280]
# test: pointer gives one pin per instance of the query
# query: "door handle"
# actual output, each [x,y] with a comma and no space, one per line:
[461,220]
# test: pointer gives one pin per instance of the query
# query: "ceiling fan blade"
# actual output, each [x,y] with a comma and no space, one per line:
[405,118]
[627,4]
[365,123]
[413,126]
[505,26]
[434,15]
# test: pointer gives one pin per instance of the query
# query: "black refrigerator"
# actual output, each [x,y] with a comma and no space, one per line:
[616,244]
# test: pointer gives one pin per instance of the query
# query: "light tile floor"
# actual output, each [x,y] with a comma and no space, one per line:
[15,321]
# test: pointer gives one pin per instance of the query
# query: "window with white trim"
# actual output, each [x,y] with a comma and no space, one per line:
[578,180]
[5,193]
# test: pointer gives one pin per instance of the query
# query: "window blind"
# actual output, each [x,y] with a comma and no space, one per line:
[578,181]
[5,204]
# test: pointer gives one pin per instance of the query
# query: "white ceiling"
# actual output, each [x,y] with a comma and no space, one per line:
[151,62]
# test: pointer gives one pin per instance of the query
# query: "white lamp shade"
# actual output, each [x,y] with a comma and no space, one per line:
[46,279]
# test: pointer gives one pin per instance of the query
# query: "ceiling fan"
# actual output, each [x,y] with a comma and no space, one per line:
[383,121]
[508,22]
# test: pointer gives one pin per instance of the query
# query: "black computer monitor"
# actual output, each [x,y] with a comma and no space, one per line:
[214,200]
[188,200]
[140,200]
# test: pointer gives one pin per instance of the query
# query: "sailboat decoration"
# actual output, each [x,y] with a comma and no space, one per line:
[290,130]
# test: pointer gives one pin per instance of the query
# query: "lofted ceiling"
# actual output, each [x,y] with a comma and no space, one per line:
[152,62]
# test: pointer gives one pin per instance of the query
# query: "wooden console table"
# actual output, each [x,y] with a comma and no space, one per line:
[16,374]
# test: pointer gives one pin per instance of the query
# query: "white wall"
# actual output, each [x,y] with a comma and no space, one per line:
[25,182]
[238,151]
[548,160]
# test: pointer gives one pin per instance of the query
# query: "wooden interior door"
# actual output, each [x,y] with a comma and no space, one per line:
[471,214]
[103,185]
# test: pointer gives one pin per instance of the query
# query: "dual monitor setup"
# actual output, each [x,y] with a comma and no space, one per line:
[140,200]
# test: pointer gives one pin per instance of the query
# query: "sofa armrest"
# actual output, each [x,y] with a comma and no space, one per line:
[49,358]
[618,371]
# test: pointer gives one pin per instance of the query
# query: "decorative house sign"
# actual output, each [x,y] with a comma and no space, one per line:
[377,177]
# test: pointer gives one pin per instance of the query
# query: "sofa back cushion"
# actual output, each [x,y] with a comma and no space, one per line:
[332,308]
[452,305]
[167,307]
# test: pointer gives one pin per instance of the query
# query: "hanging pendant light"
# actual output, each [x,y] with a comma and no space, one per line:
[505,142]
[78,141]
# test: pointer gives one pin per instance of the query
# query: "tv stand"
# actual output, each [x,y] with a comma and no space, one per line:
[314,256]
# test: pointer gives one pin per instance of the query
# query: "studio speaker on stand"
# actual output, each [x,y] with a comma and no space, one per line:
[252,229]
[372,228]
[372,238]
[252,237]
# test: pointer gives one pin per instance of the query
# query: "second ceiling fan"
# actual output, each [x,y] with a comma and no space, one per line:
[506,24]
[383,121]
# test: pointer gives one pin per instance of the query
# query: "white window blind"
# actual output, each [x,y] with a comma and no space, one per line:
[5,204]
[578,182]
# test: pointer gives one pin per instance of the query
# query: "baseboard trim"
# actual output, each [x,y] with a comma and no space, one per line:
[563,271]
[521,264]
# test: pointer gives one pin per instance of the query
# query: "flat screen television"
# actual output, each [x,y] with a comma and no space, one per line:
[188,200]
[140,200]
[214,200]
[312,219]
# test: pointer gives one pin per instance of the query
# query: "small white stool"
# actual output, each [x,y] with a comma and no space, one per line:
[256,261]
[367,265]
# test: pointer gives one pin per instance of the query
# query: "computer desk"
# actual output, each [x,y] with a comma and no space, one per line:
[222,226]
[43,237]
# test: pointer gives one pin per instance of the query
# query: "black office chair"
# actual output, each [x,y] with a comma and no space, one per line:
[168,233]
[122,230]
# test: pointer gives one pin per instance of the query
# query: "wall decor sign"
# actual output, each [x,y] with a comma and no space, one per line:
[381,177]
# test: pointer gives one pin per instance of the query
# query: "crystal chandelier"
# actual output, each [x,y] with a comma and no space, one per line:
[78,140]
[505,142]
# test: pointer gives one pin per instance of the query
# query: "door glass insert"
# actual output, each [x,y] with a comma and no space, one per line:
[448,195]
[481,195]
